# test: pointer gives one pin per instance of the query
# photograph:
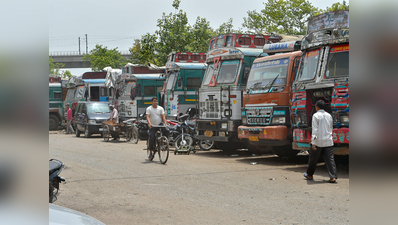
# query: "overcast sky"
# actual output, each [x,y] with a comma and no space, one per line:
[117,23]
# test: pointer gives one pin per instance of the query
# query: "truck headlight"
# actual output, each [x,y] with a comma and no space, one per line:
[244,120]
[224,126]
[278,120]
[344,119]
[91,122]
[129,113]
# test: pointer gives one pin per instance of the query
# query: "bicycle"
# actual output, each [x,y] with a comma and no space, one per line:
[161,146]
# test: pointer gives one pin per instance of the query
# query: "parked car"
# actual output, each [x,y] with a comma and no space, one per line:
[89,116]
[60,215]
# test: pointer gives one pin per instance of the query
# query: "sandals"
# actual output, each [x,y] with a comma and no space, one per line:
[306,176]
[332,181]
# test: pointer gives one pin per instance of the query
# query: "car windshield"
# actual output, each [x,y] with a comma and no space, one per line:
[338,61]
[264,73]
[208,74]
[170,81]
[80,92]
[98,108]
[309,64]
[228,72]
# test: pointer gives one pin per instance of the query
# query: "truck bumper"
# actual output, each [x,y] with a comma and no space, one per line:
[215,130]
[269,135]
[337,150]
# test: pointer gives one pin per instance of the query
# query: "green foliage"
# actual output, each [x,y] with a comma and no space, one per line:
[174,33]
[67,74]
[54,68]
[100,57]
[227,27]
[336,6]
[281,16]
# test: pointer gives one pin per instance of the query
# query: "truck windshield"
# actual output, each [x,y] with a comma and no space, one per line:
[309,64]
[71,93]
[127,89]
[228,72]
[338,61]
[170,81]
[264,73]
[97,108]
[80,92]
[208,74]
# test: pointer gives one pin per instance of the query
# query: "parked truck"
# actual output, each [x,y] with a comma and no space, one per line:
[266,117]
[184,74]
[55,103]
[220,95]
[323,75]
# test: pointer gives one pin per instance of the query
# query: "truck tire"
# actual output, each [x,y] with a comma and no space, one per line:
[284,151]
[54,122]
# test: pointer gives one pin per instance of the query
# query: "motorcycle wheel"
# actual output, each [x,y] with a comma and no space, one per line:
[187,138]
[206,145]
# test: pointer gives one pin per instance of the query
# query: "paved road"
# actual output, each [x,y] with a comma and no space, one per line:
[115,183]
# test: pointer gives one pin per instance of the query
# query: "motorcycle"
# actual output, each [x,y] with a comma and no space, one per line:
[55,168]
[142,125]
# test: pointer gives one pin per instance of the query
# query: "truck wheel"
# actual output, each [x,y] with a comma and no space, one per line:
[255,149]
[229,146]
[284,151]
[54,122]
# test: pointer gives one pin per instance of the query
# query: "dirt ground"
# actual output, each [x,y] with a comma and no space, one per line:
[115,183]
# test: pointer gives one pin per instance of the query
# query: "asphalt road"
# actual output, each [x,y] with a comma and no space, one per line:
[115,183]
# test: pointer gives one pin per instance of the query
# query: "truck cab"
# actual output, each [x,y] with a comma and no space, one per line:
[266,115]
[323,75]
[55,104]
[221,93]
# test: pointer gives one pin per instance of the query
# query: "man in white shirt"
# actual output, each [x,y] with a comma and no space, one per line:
[155,116]
[322,142]
[115,118]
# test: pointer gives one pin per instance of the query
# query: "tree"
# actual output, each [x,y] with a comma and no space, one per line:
[227,27]
[100,57]
[54,69]
[281,16]
[199,35]
[336,6]
[144,49]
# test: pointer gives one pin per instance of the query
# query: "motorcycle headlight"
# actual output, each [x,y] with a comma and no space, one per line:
[344,119]
[224,126]
[278,120]
[92,122]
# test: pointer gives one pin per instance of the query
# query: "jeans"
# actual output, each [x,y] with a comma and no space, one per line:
[328,156]
[69,128]
[152,134]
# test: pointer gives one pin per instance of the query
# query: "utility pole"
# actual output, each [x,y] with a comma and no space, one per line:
[79,45]
[86,45]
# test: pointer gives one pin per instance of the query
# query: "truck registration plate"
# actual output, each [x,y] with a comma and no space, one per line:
[208,133]
[253,138]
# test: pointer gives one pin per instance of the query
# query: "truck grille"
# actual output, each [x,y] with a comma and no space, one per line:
[259,115]
[210,108]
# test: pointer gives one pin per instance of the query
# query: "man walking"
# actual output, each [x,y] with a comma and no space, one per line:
[322,143]
[155,116]
[69,128]
[114,117]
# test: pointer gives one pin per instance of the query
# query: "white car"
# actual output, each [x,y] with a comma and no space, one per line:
[63,216]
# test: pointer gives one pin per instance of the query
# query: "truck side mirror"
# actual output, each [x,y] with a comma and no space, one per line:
[246,73]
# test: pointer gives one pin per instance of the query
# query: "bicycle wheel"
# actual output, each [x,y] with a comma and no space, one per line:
[163,149]
[134,138]
[129,134]
[105,133]
[148,153]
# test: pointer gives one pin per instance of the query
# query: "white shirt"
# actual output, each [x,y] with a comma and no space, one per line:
[155,114]
[322,129]
[114,115]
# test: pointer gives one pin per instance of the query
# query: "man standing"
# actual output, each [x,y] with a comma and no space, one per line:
[69,128]
[322,143]
[155,116]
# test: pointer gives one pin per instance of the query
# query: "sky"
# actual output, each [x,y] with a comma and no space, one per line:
[117,23]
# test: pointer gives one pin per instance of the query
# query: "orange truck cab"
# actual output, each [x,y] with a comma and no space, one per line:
[266,116]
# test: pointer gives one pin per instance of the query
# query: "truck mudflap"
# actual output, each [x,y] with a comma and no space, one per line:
[337,150]
[277,133]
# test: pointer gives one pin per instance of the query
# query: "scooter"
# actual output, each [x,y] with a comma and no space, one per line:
[55,168]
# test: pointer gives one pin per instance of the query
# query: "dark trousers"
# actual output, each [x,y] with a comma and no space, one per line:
[328,156]
[152,134]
